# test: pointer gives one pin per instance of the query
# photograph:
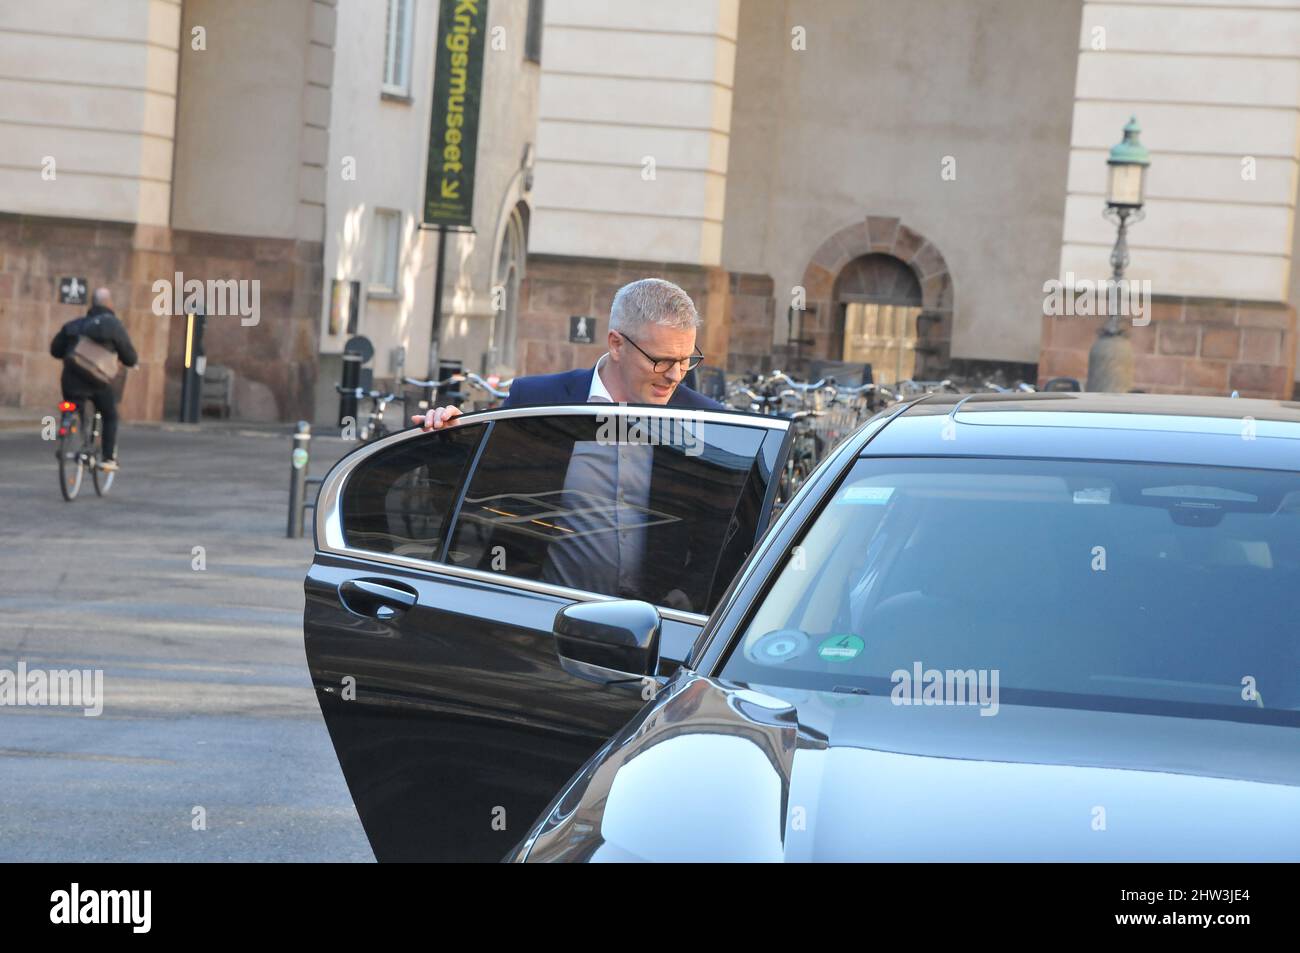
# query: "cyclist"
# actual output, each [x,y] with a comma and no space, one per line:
[102,326]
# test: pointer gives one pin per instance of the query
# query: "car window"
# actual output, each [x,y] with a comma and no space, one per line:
[660,509]
[398,500]
[1078,583]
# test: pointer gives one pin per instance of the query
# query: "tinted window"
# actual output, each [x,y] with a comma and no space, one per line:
[398,501]
[1161,588]
[665,513]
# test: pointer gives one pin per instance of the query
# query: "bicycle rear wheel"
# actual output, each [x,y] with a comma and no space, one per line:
[71,466]
[102,479]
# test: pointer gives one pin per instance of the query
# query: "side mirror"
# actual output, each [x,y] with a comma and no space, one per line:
[608,642]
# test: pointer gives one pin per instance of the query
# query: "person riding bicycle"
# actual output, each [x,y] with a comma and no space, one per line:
[103,327]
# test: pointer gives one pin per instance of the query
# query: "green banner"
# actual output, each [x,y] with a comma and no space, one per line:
[453,132]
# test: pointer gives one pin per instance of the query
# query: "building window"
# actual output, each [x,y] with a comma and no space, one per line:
[397,48]
[533,35]
[385,249]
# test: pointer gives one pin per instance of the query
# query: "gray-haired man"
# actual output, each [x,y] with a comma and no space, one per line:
[652,328]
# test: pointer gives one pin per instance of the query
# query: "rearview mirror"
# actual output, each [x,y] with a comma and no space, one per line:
[606,642]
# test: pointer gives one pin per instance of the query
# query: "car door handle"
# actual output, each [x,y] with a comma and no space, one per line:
[378,600]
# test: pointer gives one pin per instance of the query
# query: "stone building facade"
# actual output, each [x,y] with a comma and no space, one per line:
[151,138]
[815,167]
[898,182]
[379,134]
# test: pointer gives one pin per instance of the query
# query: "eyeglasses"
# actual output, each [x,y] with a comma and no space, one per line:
[661,364]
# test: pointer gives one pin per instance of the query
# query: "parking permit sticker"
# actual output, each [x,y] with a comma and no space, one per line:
[870,495]
[841,648]
[777,647]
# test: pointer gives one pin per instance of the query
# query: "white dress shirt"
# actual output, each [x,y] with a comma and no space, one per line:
[607,493]
[599,392]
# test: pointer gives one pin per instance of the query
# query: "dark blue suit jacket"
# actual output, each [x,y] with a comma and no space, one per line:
[572,387]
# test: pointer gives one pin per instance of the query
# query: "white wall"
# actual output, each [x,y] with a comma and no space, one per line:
[858,123]
[622,82]
[1211,84]
[94,86]
[252,131]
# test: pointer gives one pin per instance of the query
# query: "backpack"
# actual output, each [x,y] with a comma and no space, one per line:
[95,361]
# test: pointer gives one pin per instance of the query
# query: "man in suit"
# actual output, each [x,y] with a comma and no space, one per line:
[618,549]
[652,329]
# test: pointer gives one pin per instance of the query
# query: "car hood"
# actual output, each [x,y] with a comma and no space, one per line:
[714,772]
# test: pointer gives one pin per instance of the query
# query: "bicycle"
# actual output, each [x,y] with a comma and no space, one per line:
[497,390]
[78,449]
[1020,388]
[807,448]
[374,427]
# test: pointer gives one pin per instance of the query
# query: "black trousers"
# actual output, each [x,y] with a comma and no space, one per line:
[106,404]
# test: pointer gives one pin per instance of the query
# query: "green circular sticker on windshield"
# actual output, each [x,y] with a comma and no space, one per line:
[841,648]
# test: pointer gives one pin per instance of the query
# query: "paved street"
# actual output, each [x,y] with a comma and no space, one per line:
[207,700]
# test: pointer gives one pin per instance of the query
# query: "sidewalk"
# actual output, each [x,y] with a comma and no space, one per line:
[25,418]
[181,587]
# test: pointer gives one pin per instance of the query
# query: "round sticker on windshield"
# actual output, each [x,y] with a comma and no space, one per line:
[841,648]
[777,647]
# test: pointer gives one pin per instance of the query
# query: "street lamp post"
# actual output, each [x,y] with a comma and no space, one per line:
[1110,362]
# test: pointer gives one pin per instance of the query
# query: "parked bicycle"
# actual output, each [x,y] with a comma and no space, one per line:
[1020,388]
[495,389]
[373,426]
[79,449]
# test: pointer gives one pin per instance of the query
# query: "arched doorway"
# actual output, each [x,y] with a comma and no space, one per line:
[502,353]
[877,304]
[880,288]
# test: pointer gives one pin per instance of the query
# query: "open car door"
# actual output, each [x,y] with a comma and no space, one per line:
[441,561]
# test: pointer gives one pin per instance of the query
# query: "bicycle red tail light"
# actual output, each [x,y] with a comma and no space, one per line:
[67,405]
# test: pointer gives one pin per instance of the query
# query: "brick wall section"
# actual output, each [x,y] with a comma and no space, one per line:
[750,315]
[36,253]
[274,362]
[558,287]
[1191,346]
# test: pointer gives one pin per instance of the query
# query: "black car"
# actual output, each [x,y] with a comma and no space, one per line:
[1054,626]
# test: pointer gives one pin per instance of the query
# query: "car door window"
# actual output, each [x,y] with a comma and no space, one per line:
[399,500]
[660,509]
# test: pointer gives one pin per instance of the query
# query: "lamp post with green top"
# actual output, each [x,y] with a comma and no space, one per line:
[1110,362]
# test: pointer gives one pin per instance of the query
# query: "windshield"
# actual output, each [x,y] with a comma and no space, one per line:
[1168,589]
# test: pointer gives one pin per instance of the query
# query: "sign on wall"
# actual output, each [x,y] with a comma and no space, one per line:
[453,132]
[582,329]
[72,290]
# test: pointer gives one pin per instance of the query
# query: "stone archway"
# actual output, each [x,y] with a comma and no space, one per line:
[829,275]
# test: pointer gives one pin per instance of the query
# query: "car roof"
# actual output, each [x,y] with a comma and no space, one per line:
[1153,428]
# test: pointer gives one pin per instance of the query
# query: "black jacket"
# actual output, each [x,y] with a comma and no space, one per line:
[102,326]
[572,387]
